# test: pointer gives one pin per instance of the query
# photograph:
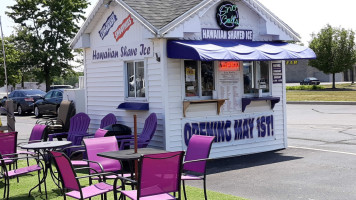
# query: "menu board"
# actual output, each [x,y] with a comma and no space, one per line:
[229,89]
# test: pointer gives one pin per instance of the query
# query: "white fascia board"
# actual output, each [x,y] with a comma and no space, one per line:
[86,23]
[82,42]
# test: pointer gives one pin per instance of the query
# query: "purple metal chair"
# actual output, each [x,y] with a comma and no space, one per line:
[79,125]
[98,133]
[109,119]
[94,146]
[7,174]
[198,149]
[70,181]
[36,136]
[8,144]
[159,175]
[144,138]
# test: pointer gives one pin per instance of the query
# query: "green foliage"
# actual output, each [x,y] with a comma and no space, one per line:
[13,58]
[47,27]
[335,50]
[71,79]
[305,87]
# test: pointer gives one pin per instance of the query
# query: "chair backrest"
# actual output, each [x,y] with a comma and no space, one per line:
[100,133]
[98,145]
[37,132]
[160,173]
[8,142]
[65,169]
[65,113]
[198,148]
[148,130]
[109,119]
[79,125]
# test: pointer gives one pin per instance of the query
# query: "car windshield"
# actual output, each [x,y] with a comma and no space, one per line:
[313,79]
[34,92]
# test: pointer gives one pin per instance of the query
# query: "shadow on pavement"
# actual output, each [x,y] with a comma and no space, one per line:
[247,161]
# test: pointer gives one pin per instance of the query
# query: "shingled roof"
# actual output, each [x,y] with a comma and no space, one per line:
[161,12]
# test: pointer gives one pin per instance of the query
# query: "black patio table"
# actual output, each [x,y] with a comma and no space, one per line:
[41,148]
[130,156]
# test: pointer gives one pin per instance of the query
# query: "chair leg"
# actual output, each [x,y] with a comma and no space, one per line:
[39,180]
[5,187]
[204,182]
[8,189]
[185,195]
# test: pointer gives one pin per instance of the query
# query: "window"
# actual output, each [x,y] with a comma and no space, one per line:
[256,76]
[199,78]
[135,79]
[48,95]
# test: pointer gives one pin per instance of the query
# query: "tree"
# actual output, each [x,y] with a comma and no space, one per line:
[13,56]
[334,49]
[49,25]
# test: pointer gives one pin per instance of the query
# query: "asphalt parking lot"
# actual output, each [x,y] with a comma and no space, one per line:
[319,164]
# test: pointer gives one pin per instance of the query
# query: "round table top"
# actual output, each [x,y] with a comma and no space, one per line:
[46,145]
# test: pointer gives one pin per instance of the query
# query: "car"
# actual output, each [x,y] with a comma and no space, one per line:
[310,81]
[23,99]
[49,104]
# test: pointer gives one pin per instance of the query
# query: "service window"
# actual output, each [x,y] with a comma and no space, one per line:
[199,79]
[256,76]
[135,79]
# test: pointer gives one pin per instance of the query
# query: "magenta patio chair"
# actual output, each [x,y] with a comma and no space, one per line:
[109,119]
[8,145]
[8,174]
[98,133]
[94,146]
[36,136]
[70,180]
[144,138]
[79,125]
[159,175]
[198,149]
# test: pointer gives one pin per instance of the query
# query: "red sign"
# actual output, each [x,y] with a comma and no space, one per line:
[229,66]
[123,27]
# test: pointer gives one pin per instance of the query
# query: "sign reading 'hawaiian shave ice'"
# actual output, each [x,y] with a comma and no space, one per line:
[110,21]
[123,27]
[217,34]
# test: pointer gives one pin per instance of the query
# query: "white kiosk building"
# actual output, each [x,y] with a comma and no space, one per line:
[205,67]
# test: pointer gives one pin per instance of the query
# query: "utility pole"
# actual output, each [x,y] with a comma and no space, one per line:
[3,52]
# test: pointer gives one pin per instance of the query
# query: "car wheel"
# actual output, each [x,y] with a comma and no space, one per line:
[19,110]
[37,112]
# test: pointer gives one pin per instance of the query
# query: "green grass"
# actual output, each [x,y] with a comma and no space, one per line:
[19,191]
[343,92]
[305,87]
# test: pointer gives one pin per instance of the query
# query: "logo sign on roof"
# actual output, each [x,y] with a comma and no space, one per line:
[227,15]
[123,27]
[110,21]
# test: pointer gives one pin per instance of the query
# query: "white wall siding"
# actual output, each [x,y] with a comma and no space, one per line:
[105,79]
[208,113]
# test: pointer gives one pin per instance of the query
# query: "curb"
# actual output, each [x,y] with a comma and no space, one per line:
[323,102]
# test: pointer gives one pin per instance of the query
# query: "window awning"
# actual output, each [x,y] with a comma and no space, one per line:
[236,50]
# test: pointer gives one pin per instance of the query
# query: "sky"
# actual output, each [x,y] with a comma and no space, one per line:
[303,16]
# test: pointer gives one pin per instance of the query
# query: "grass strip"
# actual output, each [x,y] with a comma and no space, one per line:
[19,191]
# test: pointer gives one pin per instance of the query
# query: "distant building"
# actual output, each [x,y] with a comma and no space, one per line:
[297,70]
